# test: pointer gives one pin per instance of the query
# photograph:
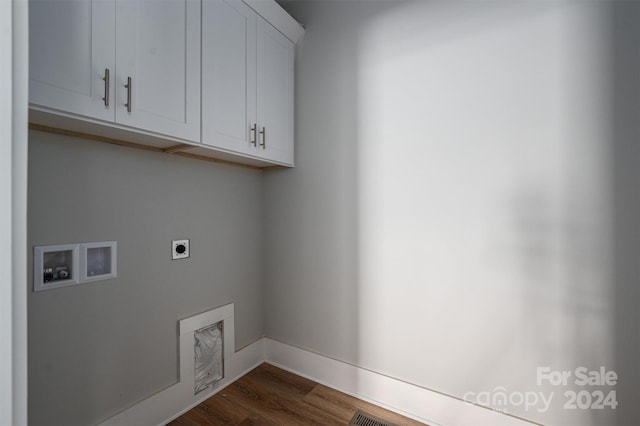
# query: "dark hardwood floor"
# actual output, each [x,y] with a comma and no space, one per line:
[269,395]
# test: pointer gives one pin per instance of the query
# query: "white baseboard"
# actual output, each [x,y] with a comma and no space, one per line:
[170,403]
[412,401]
[401,397]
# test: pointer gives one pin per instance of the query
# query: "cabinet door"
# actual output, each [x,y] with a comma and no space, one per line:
[158,48]
[229,75]
[275,94]
[71,44]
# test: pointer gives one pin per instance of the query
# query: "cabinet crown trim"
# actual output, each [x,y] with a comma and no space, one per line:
[273,13]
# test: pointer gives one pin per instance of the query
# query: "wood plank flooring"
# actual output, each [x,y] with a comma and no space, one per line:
[269,395]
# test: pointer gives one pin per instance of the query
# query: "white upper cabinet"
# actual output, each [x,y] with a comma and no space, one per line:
[158,53]
[75,44]
[275,94]
[247,83]
[71,51]
[205,78]
[229,75]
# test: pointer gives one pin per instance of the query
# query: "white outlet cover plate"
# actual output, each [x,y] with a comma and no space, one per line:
[175,244]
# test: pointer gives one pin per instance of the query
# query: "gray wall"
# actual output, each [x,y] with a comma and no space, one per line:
[98,348]
[464,206]
[463,211]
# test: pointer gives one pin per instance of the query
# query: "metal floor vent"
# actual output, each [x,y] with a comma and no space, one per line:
[360,418]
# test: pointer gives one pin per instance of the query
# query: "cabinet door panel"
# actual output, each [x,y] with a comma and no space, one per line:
[228,75]
[158,46]
[275,94]
[71,43]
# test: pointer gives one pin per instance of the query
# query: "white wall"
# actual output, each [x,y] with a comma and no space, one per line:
[13,227]
[453,218]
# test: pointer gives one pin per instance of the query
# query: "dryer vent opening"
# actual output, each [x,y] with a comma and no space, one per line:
[208,353]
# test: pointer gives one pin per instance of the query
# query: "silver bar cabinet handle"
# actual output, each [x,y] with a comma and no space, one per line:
[106,87]
[128,86]
[254,139]
[263,132]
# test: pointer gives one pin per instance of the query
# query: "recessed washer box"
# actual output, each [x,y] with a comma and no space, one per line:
[56,266]
[72,264]
[98,261]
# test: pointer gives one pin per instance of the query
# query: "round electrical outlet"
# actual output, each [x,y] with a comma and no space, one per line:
[179,249]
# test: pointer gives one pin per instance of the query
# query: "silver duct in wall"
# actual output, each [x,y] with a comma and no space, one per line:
[208,356]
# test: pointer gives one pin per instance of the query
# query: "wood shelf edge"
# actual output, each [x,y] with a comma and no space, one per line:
[178,150]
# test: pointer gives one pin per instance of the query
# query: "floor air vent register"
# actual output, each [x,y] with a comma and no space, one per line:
[360,418]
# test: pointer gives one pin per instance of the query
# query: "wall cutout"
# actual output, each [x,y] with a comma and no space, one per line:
[208,356]
[206,344]
[98,261]
[55,266]
[72,264]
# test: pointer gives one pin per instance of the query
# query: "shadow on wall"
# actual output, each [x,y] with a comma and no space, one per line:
[463,210]
[486,218]
[312,212]
[488,230]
